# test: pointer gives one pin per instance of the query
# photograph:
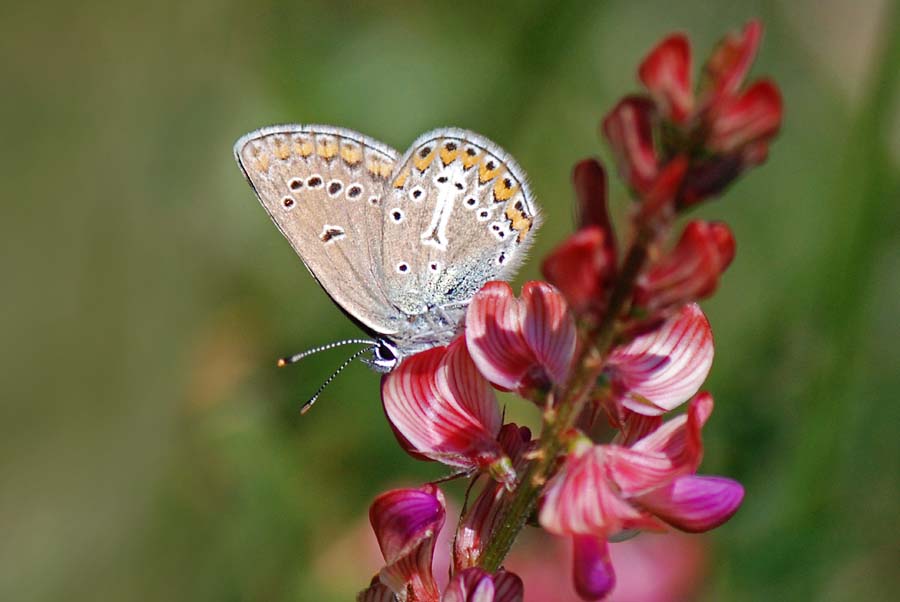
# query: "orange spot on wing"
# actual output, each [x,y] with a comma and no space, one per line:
[504,188]
[282,151]
[401,179]
[489,169]
[303,147]
[326,148]
[262,163]
[520,221]
[469,160]
[449,155]
[351,154]
[421,162]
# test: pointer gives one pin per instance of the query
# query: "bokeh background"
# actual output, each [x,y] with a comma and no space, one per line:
[148,447]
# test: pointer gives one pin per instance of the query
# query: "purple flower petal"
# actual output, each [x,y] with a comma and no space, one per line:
[591,567]
[695,503]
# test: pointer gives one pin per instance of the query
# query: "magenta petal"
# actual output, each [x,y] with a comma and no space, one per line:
[477,585]
[508,587]
[659,371]
[549,329]
[591,567]
[442,408]
[695,503]
[494,335]
[406,523]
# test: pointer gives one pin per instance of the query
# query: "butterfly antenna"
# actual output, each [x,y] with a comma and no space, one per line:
[293,359]
[309,403]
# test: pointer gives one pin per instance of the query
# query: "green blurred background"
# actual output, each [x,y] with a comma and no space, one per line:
[148,447]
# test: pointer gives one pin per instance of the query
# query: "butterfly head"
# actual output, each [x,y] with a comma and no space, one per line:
[385,356]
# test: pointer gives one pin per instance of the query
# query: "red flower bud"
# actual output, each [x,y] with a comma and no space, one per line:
[666,72]
[690,271]
[629,130]
[724,72]
[738,121]
[582,268]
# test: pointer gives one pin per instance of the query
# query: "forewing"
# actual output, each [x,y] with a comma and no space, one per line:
[324,189]
[459,213]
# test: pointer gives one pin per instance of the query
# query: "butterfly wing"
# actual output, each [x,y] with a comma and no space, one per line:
[459,213]
[323,187]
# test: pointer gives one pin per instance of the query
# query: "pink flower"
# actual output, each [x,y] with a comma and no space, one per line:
[406,523]
[660,370]
[601,490]
[442,408]
[584,265]
[690,271]
[522,344]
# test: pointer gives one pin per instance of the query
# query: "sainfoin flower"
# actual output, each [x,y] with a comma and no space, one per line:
[442,408]
[521,344]
[618,334]
[660,370]
[406,523]
[602,490]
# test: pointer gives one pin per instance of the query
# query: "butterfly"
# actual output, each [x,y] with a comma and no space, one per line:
[400,243]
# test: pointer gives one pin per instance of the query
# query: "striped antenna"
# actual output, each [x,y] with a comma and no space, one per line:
[293,359]
[309,404]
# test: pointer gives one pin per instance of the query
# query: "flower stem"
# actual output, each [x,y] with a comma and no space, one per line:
[589,366]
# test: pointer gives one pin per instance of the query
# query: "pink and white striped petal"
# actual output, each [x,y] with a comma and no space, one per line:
[695,503]
[582,500]
[520,343]
[477,585]
[672,450]
[442,408]
[659,371]
[592,569]
[406,523]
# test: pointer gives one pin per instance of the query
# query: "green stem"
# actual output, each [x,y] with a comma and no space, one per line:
[563,415]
